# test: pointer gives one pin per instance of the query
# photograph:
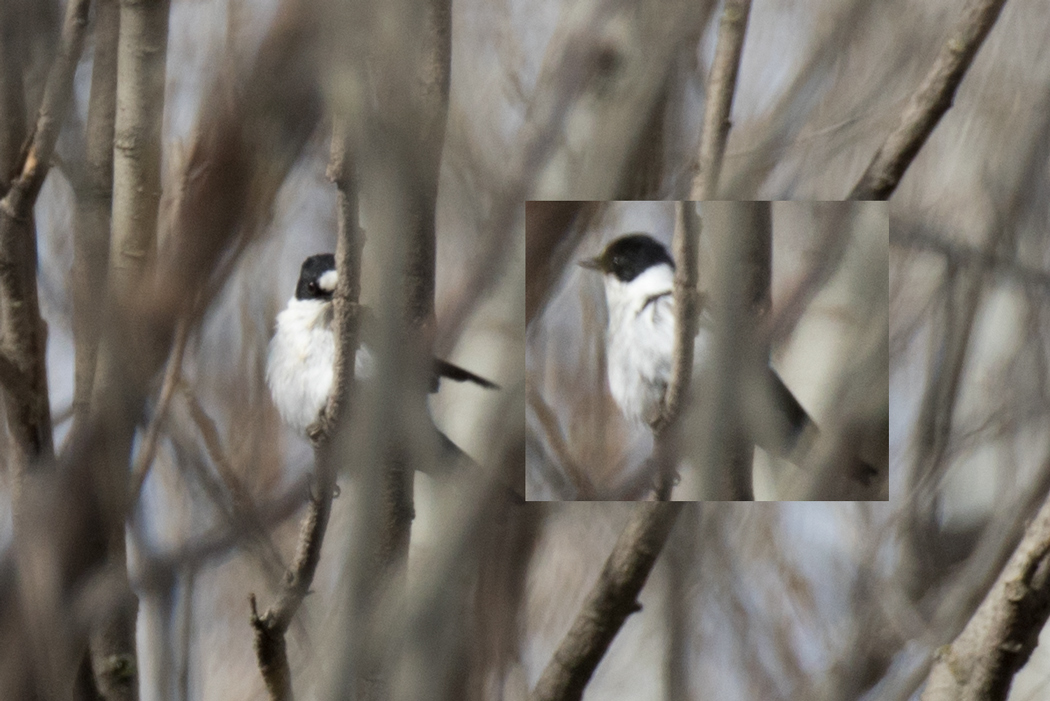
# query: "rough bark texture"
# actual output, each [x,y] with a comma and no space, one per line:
[980,664]
[685,247]
[23,371]
[720,90]
[613,598]
[94,202]
[930,101]
[12,95]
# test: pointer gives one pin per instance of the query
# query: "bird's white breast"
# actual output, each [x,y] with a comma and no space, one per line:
[300,363]
[640,340]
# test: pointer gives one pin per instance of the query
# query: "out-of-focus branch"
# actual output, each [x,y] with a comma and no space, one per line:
[230,493]
[720,89]
[555,439]
[929,102]
[94,197]
[24,332]
[965,256]
[613,598]
[1003,632]
[142,47]
[249,135]
[742,243]
[270,627]
[603,72]
[836,27]
[172,377]
[552,231]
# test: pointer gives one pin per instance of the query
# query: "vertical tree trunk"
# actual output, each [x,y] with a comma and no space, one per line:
[136,159]
[94,202]
[742,242]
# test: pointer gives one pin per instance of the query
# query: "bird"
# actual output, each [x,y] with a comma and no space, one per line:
[638,275]
[300,363]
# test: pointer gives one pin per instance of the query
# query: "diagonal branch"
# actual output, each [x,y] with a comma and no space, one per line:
[613,598]
[930,101]
[1003,632]
[722,85]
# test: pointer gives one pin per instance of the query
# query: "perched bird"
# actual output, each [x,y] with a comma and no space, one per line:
[638,273]
[300,365]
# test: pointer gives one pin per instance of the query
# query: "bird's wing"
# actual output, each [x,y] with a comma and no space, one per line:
[443,368]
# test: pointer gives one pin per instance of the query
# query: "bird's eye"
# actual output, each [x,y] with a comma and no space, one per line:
[313,287]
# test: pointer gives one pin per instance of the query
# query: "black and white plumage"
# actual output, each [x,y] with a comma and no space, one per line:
[638,273]
[300,365]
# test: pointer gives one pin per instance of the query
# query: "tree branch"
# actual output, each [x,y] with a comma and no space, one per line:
[1001,635]
[719,103]
[742,243]
[94,199]
[24,332]
[685,247]
[929,102]
[172,377]
[613,598]
[270,628]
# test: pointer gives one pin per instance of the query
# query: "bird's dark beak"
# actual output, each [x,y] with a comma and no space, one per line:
[590,264]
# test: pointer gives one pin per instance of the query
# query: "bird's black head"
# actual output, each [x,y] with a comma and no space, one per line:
[314,280]
[629,256]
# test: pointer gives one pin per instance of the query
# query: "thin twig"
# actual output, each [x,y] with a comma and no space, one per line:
[172,377]
[685,246]
[720,90]
[230,494]
[613,598]
[270,627]
[557,443]
[930,101]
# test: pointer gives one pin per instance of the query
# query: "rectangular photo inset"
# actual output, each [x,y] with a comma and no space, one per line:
[702,351]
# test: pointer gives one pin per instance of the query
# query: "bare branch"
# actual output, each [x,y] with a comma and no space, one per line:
[24,331]
[142,54]
[930,101]
[720,89]
[12,94]
[552,230]
[558,445]
[685,247]
[1003,632]
[613,598]
[94,195]
[172,378]
[742,243]
[270,627]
